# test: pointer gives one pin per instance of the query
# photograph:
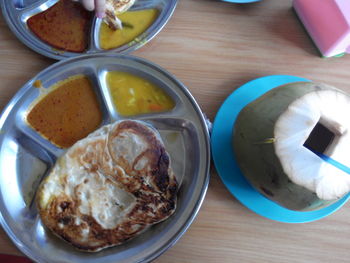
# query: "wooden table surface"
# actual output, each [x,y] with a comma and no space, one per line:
[214,47]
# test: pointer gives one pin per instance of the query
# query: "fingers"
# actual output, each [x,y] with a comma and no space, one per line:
[88,4]
[98,5]
[100,8]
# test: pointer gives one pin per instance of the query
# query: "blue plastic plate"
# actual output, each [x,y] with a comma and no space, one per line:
[241,1]
[226,164]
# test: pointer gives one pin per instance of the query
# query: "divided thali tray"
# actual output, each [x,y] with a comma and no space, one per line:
[18,14]
[26,158]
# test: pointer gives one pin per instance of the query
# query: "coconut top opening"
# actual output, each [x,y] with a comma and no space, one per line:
[319,139]
[318,120]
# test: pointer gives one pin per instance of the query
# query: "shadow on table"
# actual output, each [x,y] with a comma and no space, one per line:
[286,25]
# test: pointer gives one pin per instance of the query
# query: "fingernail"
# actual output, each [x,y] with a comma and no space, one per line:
[100,14]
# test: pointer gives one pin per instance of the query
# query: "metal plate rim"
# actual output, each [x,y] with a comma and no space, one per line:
[202,193]
[60,56]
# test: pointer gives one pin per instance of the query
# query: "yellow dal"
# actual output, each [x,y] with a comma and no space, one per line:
[133,95]
[139,20]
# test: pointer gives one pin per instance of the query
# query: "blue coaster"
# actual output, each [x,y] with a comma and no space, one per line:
[241,1]
[227,167]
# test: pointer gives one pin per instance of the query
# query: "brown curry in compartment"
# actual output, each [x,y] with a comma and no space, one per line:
[65,26]
[68,113]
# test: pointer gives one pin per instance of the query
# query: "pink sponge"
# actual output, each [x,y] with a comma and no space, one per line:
[328,23]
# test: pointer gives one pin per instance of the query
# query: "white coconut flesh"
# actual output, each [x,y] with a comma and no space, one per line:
[271,143]
[331,109]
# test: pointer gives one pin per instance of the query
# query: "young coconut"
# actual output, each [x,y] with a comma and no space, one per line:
[273,136]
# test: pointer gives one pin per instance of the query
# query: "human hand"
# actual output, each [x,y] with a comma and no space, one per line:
[98,5]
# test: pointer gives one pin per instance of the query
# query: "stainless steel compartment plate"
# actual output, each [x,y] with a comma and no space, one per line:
[26,157]
[17,12]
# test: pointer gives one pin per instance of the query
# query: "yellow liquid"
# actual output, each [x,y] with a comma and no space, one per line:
[133,95]
[136,22]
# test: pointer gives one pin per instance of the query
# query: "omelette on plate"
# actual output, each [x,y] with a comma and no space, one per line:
[109,187]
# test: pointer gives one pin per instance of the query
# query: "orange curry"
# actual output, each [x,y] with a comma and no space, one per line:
[64,26]
[68,113]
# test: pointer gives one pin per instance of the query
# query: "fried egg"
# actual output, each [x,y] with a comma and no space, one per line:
[109,187]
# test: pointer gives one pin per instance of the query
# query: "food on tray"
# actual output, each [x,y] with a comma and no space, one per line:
[67,113]
[134,24]
[65,26]
[114,8]
[109,187]
[282,138]
[133,95]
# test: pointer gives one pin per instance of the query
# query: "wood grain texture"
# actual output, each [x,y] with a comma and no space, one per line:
[214,47]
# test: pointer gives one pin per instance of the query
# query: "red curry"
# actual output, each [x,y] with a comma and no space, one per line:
[68,113]
[65,26]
